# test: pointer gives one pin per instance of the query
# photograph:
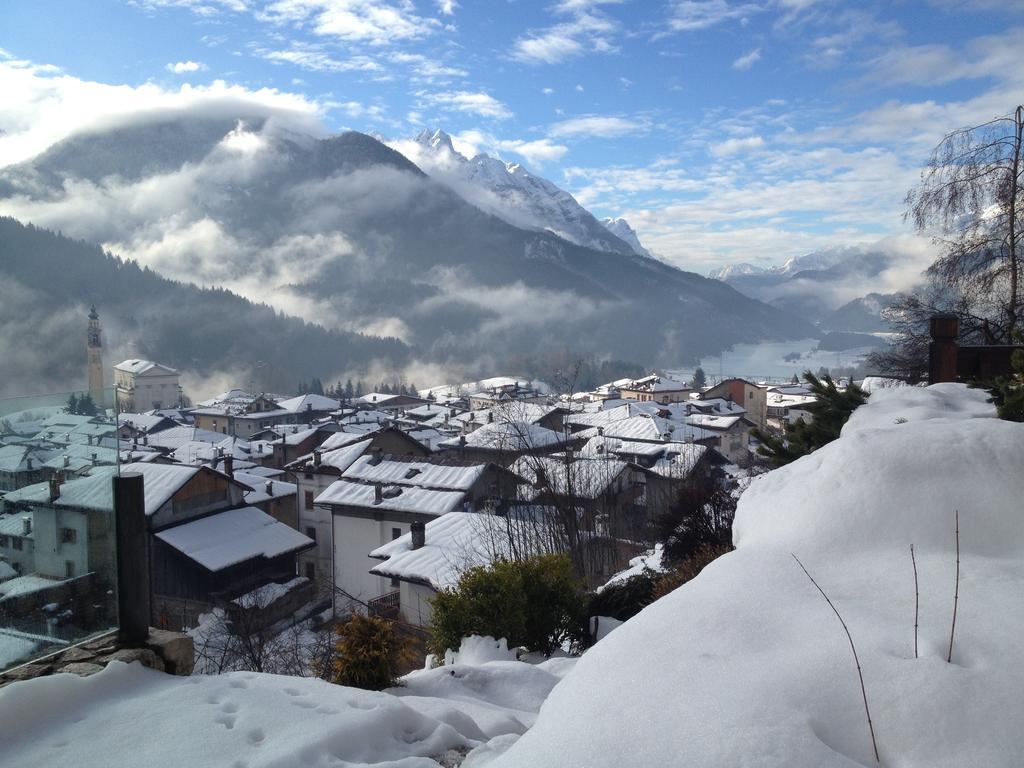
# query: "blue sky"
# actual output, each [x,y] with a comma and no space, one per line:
[724,131]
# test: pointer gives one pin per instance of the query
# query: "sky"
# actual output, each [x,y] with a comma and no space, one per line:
[724,131]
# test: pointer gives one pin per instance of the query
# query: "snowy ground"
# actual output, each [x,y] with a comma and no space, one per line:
[128,716]
[744,666]
[747,665]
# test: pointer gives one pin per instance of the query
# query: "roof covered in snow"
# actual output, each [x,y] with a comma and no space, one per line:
[394,498]
[228,538]
[453,543]
[403,470]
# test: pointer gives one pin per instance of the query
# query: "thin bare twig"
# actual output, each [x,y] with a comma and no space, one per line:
[856,659]
[956,590]
[917,598]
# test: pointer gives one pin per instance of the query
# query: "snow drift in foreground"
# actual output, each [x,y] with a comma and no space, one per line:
[747,665]
[128,716]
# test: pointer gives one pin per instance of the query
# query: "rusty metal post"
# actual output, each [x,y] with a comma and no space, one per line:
[943,351]
[133,596]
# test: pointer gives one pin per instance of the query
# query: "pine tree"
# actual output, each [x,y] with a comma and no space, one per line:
[349,389]
[700,379]
[316,387]
[72,406]
[828,415]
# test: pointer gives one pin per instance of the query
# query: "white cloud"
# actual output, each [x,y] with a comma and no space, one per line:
[734,146]
[198,7]
[587,30]
[547,91]
[446,7]
[183,67]
[375,22]
[747,60]
[42,106]
[427,69]
[478,103]
[601,126]
[693,15]
[991,56]
[315,59]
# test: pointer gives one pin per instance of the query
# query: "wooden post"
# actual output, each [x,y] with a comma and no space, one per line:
[133,597]
[942,352]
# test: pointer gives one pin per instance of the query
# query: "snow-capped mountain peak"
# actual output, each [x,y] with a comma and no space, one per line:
[437,140]
[511,192]
[622,230]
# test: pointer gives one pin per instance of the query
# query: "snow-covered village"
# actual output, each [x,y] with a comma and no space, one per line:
[563,384]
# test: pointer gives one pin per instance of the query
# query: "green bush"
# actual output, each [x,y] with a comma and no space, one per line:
[537,603]
[624,599]
[368,653]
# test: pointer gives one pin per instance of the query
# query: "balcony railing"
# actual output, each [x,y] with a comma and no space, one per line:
[385,605]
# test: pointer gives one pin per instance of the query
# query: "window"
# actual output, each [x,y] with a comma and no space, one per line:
[750,395]
[68,535]
[394,583]
[309,499]
[69,569]
[16,543]
[311,571]
[4,541]
[395,533]
[311,532]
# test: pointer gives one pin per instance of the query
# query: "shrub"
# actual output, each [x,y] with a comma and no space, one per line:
[368,653]
[624,599]
[536,603]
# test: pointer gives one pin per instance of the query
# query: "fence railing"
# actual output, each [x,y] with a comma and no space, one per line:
[950,361]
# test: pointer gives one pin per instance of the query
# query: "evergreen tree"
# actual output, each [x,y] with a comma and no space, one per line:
[349,389]
[72,406]
[316,387]
[1008,391]
[86,406]
[828,415]
[360,388]
[700,379]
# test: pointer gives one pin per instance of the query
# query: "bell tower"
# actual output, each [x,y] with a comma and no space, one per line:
[94,348]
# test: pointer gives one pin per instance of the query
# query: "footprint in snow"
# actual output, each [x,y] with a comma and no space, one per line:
[228,721]
[256,736]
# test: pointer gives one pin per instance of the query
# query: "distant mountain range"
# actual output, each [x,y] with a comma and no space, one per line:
[351,235]
[830,288]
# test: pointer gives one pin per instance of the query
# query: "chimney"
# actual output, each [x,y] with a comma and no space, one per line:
[316,457]
[26,525]
[67,460]
[145,439]
[269,488]
[28,463]
[490,417]
[55,480]
[418,529]
[95,460]
[378,493]
[229,466]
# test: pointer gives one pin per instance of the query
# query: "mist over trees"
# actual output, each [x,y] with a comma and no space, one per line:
[47,282]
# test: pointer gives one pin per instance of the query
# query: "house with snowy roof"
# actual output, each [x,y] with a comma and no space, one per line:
[242,416]
[143,385]
[314,472]
[655,388]
[750,395]
[433,555]
[206,544]
[378,497]
[502,442]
